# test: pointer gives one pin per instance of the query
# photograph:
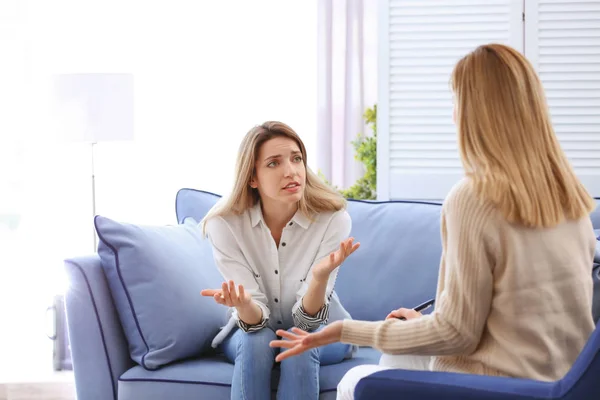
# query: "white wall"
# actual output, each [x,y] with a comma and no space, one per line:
[205,72]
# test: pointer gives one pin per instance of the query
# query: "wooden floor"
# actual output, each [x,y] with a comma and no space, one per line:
[37,391]
[47,386]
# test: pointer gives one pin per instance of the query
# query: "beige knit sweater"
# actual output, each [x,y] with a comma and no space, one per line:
[510,301]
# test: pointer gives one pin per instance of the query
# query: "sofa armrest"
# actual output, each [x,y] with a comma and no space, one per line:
[425,385]
[98,346]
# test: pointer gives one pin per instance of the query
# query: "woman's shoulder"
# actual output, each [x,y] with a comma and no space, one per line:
[464,201]
[462,190]
[226,224]
[332,219]
[463,195]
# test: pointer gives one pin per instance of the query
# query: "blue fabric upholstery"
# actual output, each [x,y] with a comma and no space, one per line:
[198,378]
[580,383]
[155,274]
[192,203]
[398,260]
[399,255]
[98,344]
[595,216]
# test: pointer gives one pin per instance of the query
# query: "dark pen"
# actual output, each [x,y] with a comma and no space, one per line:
[421,307]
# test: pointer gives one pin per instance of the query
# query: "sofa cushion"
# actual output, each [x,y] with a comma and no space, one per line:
[398,261]
[155,274]
[210,378]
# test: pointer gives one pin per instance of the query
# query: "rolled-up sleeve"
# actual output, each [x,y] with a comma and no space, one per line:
[233,266]
[338,230]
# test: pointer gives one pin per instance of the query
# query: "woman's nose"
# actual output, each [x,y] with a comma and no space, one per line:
[288,169]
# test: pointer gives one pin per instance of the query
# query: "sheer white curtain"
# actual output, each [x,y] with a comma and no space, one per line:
[347,83]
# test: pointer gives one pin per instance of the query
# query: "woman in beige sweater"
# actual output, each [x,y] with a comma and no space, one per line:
[514,294]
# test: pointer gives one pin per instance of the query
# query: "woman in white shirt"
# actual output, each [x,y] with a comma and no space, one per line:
[278,241]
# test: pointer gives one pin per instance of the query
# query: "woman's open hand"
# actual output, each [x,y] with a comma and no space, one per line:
[228,296]
[299,341]
[322,270]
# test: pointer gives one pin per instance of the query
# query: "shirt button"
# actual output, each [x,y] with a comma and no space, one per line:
[283,244]
[276,271]
[291,223]
[276,300]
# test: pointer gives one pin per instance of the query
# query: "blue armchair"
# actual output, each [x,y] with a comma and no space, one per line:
[582,382]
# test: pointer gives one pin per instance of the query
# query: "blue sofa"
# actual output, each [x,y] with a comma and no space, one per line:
[398,260]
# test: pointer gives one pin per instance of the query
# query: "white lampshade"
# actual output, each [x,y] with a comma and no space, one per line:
[93,107]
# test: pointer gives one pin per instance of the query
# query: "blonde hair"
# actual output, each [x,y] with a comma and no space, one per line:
[506,140]
[317,196]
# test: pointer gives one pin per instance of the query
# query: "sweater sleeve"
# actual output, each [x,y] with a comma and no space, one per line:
[464,290]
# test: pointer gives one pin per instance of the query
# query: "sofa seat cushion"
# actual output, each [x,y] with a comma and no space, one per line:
[210,378]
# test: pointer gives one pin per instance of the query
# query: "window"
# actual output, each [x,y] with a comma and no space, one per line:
[421,42]
[562,40]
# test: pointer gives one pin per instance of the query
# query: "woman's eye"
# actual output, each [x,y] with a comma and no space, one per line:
[272,164]
[298,159]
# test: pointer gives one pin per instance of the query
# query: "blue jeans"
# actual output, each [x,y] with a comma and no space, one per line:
[253,361]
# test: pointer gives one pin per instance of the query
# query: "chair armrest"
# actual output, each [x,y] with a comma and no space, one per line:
[98,346]
[426,385]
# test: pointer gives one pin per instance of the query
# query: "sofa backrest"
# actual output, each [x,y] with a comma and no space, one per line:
[194,204]
[398,261]
[595,216]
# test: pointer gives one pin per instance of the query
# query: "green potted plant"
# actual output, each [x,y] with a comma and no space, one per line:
[365,188]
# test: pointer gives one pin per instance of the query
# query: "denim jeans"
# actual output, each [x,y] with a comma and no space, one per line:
[253,361]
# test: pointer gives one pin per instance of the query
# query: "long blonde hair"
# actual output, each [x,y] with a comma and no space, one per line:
[507,143]
[317,196]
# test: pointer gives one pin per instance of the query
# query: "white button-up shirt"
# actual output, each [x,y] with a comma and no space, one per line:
[277,277]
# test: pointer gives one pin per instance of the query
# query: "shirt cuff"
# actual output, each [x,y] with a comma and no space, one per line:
[256,327]
[251,328]
[308,322]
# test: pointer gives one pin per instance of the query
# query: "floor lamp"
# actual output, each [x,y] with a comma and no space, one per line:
[93,108]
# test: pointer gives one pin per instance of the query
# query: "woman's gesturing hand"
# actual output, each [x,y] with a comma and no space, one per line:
[228,296]
[298,341]
[322,270]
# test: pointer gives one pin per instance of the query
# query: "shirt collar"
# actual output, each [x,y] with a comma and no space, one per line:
[256,216]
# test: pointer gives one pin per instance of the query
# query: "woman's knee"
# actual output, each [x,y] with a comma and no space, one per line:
[301,362]
[256,344]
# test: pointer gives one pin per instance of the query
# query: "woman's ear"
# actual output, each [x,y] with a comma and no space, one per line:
[253,183]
